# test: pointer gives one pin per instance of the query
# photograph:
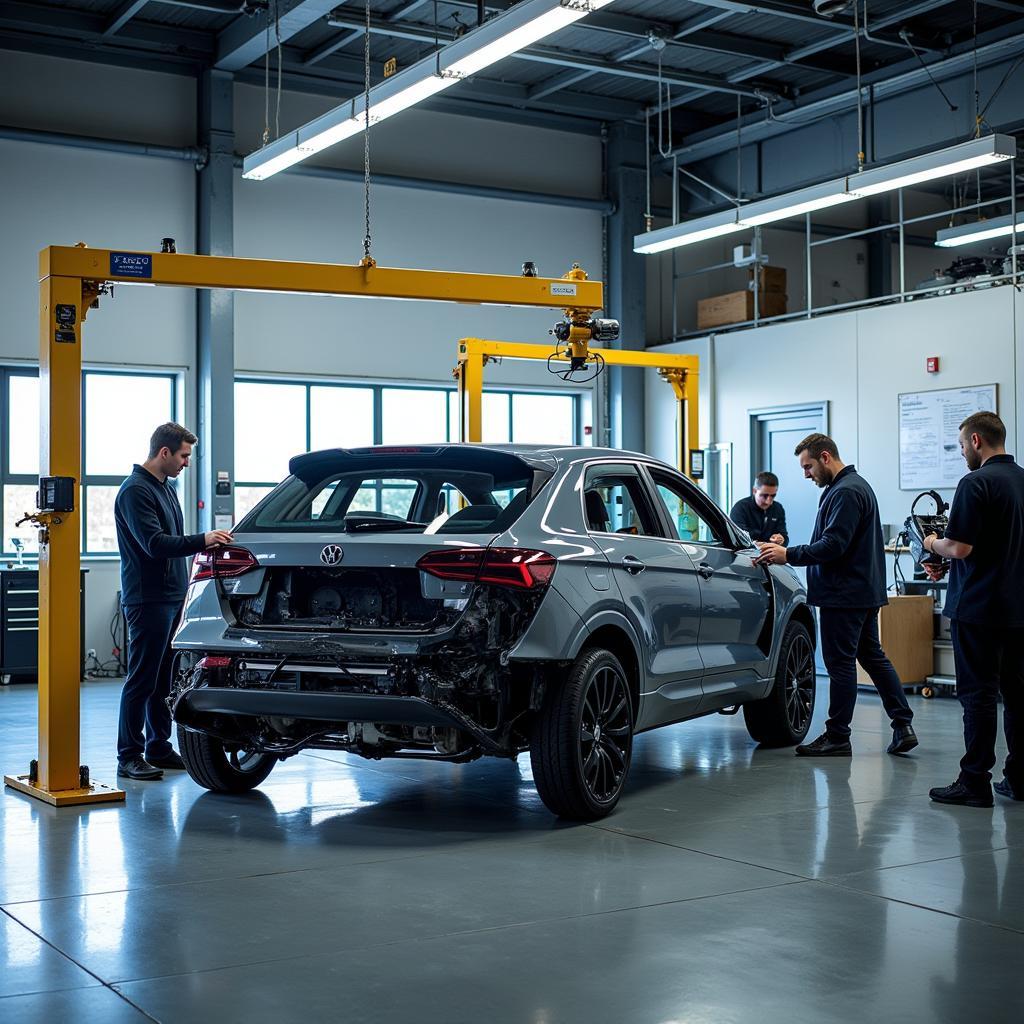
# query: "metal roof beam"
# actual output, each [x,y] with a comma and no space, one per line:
[245,39]
[802,52]
[997,45]
[125,14]
[559,58]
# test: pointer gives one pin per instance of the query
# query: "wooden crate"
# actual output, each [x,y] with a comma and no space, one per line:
[737,307]
[906,628]
[773,279]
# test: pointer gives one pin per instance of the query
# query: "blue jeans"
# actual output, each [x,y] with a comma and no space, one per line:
[144,724]
[848,636]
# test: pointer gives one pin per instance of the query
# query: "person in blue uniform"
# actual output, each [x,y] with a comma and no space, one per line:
[846,581]
[154,578]
[984,541]
[760,514]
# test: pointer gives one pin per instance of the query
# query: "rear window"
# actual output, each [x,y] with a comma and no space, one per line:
[417,501]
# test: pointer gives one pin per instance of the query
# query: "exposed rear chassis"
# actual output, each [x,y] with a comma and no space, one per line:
[192,708]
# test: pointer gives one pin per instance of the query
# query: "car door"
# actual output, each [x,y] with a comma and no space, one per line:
[657,581]
[736,595]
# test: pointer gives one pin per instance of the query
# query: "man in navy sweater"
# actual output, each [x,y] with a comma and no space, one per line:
[154,578]
[846,581]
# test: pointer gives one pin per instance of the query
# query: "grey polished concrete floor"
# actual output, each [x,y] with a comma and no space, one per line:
[732,884]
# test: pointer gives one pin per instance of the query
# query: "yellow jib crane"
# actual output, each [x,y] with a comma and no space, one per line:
[71,281]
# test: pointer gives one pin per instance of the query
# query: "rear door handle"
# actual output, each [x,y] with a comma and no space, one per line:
[633,565]
[705,571]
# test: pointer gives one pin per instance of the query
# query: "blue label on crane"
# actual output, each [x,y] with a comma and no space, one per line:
[131,264]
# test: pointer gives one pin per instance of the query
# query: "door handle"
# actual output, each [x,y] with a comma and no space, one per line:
[633,565]
[705,571]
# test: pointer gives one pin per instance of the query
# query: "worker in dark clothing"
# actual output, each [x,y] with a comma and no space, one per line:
[846,581]
[984,541]
[760,514]
[154,578]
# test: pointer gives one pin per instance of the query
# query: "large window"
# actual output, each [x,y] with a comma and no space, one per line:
[275,420]
[119,412]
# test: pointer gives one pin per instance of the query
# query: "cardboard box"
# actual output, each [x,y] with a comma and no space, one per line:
[737,307]
[906,628]
[772,279]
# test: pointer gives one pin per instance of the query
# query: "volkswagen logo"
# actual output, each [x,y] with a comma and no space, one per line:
[332,554]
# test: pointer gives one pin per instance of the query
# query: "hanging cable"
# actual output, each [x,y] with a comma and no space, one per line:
[977,96]
[367,258]
[648,219]
[739,149]
[665,152]
[266,82]
[277,33]
[860,91]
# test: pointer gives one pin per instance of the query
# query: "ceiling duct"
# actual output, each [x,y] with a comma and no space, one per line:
[830,8]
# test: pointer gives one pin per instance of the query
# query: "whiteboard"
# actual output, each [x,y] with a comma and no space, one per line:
[930,421]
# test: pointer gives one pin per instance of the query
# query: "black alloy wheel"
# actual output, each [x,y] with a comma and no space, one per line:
[606,734]
[799,676]
[782,718]
[221,767]
[582,739]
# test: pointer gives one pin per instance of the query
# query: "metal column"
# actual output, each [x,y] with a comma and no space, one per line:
[626,284]
[215,308]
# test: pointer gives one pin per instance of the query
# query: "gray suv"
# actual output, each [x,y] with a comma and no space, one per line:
[454,601]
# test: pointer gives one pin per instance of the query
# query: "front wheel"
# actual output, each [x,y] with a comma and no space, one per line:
[783,717]
[220,768]
[583,739]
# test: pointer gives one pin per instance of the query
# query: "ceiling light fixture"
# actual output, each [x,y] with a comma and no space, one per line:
[967,156]
[979,231]
[520,26]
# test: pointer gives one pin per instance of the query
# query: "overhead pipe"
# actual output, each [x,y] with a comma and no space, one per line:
[197,157]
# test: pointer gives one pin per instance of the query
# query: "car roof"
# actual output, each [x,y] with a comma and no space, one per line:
[539,456]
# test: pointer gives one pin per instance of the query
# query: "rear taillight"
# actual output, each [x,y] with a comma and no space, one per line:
[506,567]
[214,661]
[219,562]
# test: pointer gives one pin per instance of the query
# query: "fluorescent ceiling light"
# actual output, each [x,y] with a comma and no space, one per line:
[521,25]
[979,231]
[793,204]
[687,232]
[968,156]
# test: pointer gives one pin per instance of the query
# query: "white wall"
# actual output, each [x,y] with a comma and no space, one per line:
[51,195]
[859,362]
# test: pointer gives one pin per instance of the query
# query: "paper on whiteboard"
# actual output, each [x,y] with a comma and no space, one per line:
[929,431]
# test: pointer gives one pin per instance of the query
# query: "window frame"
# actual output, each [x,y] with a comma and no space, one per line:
[698,500]
[645,506]
[86,480]
[378,387]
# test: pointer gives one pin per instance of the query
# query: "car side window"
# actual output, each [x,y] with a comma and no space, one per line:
[690,524]
[615,502]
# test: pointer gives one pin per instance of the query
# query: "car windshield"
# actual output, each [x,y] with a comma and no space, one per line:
[420,500]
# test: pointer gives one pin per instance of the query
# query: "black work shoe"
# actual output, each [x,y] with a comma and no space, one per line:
[171,761]
[137,768]
[958,793]
[1003,788]
[825,746]
[904,739]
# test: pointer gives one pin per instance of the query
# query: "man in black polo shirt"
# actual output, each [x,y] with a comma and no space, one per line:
[760,514]
[846,581]
[154,578]
[985,605]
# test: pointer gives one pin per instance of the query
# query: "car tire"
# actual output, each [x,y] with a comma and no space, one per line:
[783,717]
[216,768]
[582,740]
